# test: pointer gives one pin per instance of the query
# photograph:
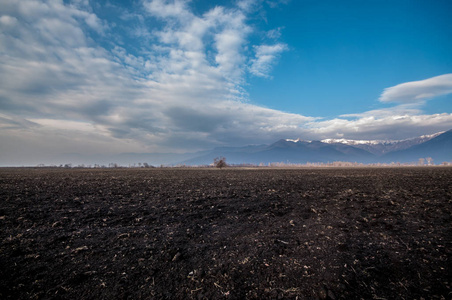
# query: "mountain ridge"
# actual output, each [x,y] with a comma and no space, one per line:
[301,151]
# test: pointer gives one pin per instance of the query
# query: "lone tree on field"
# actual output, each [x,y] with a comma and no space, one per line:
[219,162]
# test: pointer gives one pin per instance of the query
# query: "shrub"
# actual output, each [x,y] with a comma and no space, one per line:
[219,162]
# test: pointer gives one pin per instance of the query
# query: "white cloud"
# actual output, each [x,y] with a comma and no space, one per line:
[171,8]
[8,21]
[188,38]
[399,110]
[64,124]
[393,126]
[229,55]
[274,33]
[418,91]
[266,56]
[248,5]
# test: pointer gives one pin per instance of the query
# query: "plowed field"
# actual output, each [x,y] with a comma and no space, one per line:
[226,234]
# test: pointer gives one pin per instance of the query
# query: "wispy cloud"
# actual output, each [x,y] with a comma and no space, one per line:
[274,33]
[418,91]
[266,56]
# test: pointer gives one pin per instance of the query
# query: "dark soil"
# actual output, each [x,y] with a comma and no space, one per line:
[230,233]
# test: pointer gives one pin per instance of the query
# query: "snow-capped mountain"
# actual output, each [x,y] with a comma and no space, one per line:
[380,147]
[438,146]
[420,139]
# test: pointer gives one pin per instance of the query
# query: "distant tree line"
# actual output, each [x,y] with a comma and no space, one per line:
[220,162]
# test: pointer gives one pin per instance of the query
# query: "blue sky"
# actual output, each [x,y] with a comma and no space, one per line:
[344,55]
[94,77]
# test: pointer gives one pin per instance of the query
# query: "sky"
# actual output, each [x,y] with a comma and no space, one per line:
[148,76]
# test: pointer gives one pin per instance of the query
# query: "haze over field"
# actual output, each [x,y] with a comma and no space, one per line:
[107,77]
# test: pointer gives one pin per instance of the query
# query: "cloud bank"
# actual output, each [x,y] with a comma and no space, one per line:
[73,82]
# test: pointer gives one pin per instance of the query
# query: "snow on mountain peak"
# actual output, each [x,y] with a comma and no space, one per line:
[357,142]
[377,142]
[297,140]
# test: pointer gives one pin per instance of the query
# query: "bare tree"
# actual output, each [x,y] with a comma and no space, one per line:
[219,162]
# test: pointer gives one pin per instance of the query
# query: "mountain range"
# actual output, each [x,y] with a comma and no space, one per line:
[437,146]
